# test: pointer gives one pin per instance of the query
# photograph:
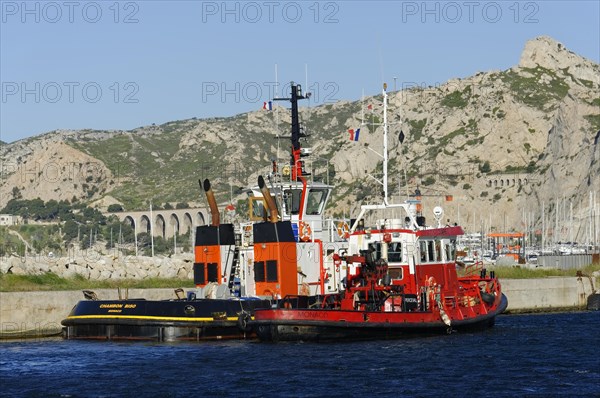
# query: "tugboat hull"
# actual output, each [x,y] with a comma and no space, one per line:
[169,320]
[328,325]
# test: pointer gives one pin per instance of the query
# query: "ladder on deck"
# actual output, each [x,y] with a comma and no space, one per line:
[234,268]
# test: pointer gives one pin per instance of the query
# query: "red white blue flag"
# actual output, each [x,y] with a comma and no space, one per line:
[268,106]
[354,134]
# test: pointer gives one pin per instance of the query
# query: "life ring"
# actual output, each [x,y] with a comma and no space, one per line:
[305,231]
[343,230]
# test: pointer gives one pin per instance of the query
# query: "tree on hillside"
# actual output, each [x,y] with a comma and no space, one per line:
[16,193]
[485,167]
[70,230]
[115,207]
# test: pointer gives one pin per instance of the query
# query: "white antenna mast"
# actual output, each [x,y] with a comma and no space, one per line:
[385,149]
[276,81]
[276,114]
[305,78]
[384,156]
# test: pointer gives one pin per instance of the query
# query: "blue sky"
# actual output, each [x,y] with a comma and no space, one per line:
[120,65]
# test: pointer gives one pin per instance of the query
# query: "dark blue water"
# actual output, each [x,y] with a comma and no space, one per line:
[549,355]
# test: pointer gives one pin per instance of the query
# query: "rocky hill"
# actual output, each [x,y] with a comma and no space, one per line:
[503,144]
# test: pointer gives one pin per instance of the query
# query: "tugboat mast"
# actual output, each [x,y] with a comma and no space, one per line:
[296,153]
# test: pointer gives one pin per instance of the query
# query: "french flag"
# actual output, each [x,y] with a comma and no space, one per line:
[354,134]
[268,106]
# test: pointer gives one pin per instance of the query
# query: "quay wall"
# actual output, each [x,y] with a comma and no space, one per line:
[35,314]
[547,294]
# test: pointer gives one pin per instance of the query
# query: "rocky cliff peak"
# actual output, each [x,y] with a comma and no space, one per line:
[548,53]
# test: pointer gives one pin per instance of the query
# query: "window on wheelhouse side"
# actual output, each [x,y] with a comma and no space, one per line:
[375,248]
[291,199]
[394,251]
[430,251]
[258,208]
[451,250]
[438,250]
[423,251]
[315,203]
[396,273]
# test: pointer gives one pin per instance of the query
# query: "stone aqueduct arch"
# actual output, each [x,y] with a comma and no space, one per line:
[506,181]
[166,223]
[144,223]
[187,222]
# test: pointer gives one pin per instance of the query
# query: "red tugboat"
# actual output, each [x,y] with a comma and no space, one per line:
[401,277]
[430,300]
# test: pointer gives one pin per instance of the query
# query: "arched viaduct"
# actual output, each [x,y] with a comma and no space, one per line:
[165,223]
[508,180]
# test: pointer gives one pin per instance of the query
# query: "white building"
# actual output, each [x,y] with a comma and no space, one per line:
[9,219]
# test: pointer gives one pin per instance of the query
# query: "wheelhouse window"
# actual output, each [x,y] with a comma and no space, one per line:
[315,203]
[376,249]
[451,250]
[394,251]
[258,208]
[423,251]
[438,250]
[291,200]
[430,250]
[395,273]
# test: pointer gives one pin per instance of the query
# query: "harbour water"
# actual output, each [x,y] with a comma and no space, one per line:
[541,355]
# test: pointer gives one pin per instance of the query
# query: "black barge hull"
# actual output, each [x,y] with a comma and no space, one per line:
[168,320]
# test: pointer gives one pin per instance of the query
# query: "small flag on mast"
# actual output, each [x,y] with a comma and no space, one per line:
[268,106]
[354,134]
